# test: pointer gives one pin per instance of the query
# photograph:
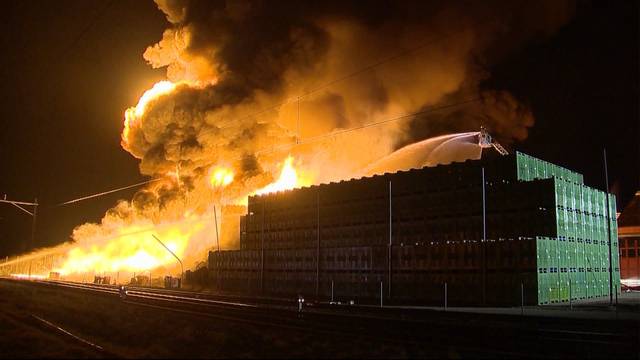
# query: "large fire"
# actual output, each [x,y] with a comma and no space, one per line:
[132,249]
[204,132]
[129,247]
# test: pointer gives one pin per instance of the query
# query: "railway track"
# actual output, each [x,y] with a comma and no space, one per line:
[469,334]
[99,350]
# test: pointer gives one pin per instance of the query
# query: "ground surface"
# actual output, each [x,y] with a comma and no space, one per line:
[132,331]
[627,308]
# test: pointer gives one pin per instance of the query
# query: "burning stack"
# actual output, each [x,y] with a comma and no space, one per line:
[407,234]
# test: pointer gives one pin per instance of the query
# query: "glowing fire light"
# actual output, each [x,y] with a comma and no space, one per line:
[289,179]
[26,276]
[134,113]
[130,246]
[132,249]
[220,176]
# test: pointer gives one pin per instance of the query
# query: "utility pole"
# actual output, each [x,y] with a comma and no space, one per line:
[215,218]
[262,250]
[318,244]
[483,245]
[606,193]
[298,123]
[390,239]
[33,224]
[20,205]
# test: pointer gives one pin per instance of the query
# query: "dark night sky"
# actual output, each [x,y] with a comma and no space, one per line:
[70,68]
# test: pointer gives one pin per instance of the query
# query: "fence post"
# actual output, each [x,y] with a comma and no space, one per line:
[521,298]
[445,296]
[570,297]
[331,290]
[616,289]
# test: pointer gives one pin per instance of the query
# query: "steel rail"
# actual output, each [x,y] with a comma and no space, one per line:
[79,339]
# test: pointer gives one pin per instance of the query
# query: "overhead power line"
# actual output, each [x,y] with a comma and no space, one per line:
[108,192]
[84,31]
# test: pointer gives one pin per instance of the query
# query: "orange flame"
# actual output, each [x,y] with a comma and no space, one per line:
[289,179]
[220,176]
[132,248]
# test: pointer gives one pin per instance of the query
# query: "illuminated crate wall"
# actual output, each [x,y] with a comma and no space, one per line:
[575,262]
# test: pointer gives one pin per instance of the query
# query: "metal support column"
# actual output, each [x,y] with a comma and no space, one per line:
[484,242]
[390,241]
[445,296]
[606,192]
[570,296]
[262,251]
[20,205]
[332,291]
[318,243]
[521,298]
[215,219]
[33,225]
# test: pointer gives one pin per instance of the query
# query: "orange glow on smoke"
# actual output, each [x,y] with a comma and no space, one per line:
[132,114]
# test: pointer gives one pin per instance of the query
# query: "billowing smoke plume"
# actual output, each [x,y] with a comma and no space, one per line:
[250,79]
[239,58]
